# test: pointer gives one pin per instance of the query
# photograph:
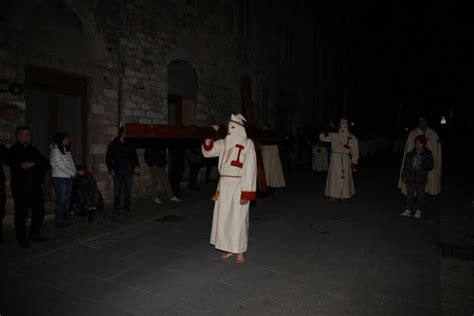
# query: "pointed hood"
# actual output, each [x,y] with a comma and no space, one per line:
[235,130]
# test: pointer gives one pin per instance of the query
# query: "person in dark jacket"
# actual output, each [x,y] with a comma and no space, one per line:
[28,167]
[122,163]
[3,196]
[157,159]
[417,164]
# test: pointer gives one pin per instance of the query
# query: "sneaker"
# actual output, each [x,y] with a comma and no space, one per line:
[157,201]
[417,214]
[406,213]
[175,199]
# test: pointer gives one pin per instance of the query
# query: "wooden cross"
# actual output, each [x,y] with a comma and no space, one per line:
[146,132]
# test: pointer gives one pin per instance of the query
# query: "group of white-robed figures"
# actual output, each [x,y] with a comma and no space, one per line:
[237,184]
[344,156]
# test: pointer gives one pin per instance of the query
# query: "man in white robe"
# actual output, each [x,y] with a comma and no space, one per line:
[344,159]
[433,186]
[237,186]
[272,165]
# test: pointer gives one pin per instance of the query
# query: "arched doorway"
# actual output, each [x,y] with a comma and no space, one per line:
[182,93]
[56,101]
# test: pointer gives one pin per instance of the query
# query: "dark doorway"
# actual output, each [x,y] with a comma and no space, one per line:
[56,102]
[182,93]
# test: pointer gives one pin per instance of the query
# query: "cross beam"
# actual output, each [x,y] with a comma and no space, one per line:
[156,131]
[137,132]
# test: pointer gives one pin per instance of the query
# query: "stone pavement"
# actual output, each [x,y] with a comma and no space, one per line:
[371,261]
[457,233]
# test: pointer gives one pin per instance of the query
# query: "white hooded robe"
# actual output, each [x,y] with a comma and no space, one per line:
[344,152]
[238,180]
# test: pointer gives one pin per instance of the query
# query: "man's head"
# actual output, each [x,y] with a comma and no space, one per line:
[420,142]
[423,122]
[23,134]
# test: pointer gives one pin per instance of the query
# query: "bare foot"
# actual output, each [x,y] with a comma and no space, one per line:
[240,258]
[331,199]
[227,255]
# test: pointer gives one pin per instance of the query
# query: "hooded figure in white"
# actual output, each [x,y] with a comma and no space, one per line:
[344,158]
[237,186]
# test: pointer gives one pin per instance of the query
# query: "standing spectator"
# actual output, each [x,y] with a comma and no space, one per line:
[416,166]
[157,159]
[63,171]
[3,197]
[177,167]
[195,160]
[433,186]
[27,167]
[122,163]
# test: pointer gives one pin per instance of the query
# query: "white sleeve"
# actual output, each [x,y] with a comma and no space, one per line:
[212,150]
[326,137]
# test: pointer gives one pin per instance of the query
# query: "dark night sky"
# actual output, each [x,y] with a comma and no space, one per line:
[414,54]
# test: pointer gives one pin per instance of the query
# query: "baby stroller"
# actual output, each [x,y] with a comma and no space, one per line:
[86,199]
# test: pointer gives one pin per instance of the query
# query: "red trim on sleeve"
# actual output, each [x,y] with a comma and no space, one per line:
[354,166]
[248,195]
[208,147]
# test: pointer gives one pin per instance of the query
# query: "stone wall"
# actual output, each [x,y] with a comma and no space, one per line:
[138,39]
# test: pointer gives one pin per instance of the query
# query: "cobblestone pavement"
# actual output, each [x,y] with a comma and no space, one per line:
[306,256]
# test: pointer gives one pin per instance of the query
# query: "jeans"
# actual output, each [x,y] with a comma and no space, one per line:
[417,188]
[62,191]
[122,189]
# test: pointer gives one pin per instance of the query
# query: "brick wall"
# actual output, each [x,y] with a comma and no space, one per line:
[147,36]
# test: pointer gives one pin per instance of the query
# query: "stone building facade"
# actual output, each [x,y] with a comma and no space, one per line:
[86,64]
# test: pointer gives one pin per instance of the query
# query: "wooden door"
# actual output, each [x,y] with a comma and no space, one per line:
[56,102]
